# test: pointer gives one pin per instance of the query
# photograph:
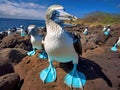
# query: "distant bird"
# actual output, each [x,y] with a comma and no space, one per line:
[60,46]
[1,32]
[36,40]
[117,44]
[107,31]
[104,29]
[86,30]
[9,32]
[22,31]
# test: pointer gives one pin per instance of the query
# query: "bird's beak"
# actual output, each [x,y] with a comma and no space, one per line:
[62,15]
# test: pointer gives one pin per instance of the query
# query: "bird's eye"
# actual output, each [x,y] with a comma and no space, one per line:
[55,12]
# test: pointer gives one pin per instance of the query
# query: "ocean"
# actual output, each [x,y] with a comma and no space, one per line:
[6,23]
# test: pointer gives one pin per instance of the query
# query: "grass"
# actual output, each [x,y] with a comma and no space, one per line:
[98,18]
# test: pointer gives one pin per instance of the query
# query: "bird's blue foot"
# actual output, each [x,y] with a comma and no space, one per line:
[43,55]
[106,33]
[23,34]
[48,74]
[85,33]
[114,48]
[31,53]
[75,78]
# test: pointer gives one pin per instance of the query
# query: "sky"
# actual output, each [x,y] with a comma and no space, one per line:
[35,9]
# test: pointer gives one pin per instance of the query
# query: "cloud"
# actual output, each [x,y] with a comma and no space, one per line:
[25,10]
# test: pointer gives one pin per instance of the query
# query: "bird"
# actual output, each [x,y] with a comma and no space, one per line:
[117,44]
[104,29]
[60,46]
[36,41]
[86,30]
[22,31]
[107,31]
[9,32]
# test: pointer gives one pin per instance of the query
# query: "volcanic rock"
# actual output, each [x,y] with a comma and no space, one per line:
[9,57]
[16,41]
[9,81]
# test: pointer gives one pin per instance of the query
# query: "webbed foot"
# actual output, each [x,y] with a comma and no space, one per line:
[85,33]
[106,33]
[75,78]
[31,53]
[23,34]
[43,55]
[48,74]
[114,48]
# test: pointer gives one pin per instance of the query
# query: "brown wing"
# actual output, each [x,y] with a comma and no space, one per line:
[76,42]
[42,45]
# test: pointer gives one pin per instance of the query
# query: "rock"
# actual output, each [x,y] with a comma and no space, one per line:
[16,41]
[9,57]
[2,36]
[89,46]
[9,81]
[109,64]
[13,55]
[102,39]
[5,68]
[88,42]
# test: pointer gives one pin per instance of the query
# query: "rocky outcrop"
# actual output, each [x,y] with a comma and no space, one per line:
[16,41]
[9,82]
[8,58]
[109,64]
[2,35]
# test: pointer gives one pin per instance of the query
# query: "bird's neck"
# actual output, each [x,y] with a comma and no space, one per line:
[55,28]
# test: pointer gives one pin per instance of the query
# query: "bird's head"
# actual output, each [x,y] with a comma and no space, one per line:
[32,30]
[57,14]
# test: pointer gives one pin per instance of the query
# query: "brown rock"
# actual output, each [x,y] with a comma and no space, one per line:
[9,81]
[16,41]
[2,36]
[9,57]
[102,39]
[109,64]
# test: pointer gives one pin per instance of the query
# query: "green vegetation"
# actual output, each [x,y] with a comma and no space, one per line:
[99,18]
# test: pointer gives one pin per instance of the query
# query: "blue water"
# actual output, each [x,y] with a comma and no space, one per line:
[6,23]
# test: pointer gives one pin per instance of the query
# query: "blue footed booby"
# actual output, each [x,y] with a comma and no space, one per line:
[60,46]
[104,29]
[117,43]
[86,30]
[107,31]
[9,32]
[22,31]
[37,41]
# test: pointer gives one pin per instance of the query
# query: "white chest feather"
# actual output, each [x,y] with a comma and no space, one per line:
[60,47]
[36,42]
[118,42]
